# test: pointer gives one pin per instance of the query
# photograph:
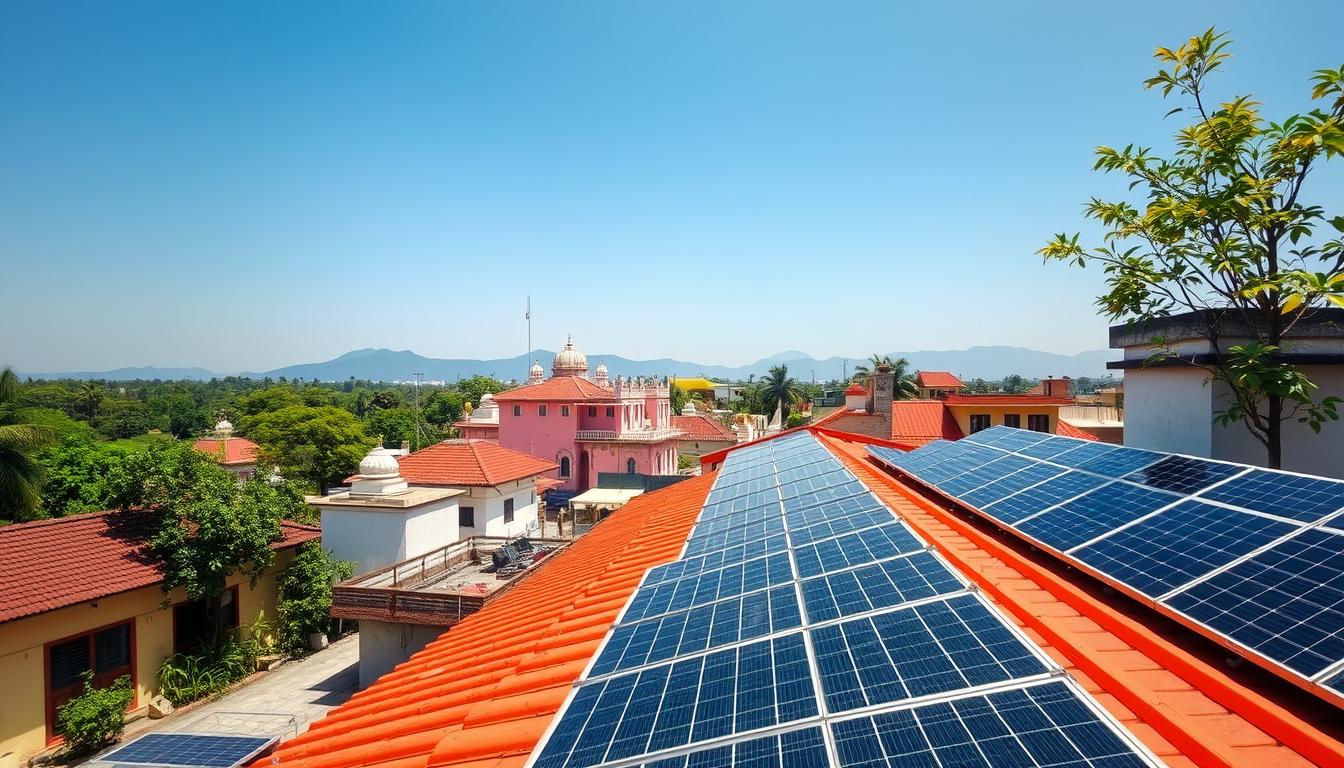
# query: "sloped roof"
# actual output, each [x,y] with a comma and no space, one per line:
[1002,399]
[51,564]
[1068,430]
[701,427]
[235,450]
[916,422]
[855,389]
[484,694]
[558,389]
[470,463]
[937,379]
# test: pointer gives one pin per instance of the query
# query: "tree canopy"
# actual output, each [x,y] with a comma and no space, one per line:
[20,440]
[320,445]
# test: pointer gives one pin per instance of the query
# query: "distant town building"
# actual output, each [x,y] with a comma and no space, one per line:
[236,454]
[934,384]
[1170,404]
[701,433]
[697,385]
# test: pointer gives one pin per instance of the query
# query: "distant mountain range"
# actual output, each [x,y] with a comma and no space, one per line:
[402,365]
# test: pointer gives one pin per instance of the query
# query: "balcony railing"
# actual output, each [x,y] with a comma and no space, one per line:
[637,436]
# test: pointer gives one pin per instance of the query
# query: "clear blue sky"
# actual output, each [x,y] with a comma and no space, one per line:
[245,185]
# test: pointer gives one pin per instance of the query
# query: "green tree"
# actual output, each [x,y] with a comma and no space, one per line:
[305,593]
[1225,232]
[398,425]
[20,440]
[266,401]
[472,388]
[903,382]
[206,526]
[89,399]
[319,445]
[677,396]
[443,407]
[385,398]
[185,417]
[1015,384]
[778,389]
[80,476]
[122,418]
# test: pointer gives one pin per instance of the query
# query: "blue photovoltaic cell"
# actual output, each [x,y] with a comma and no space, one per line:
[993,471]
[708,626]
[937,647]
[1277,493]
[889,455]
[1336,682]
[804,748]
[1043,496]
[1008,438]
[866,517]
[1083,453]
[880,585]
[971,457]
[1184,475]
[1089,516]
[707,587]
[988,494]
[1286,602]
[735,550]
[1120,462]
[826,497]
[856,549]
[187,749]
[1037,726]
[1179,545]
[1052,446]
[704,697]
[759,523]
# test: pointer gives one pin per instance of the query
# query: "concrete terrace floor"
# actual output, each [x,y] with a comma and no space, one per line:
[303,688]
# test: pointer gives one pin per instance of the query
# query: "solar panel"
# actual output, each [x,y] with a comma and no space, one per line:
[866,546]
[1286,602]
[1092,514]
[1278,493]
[1051,446]
[1120,462]
[189,749]
[709,586]
[1082,454]
[804,748]
[999,489]
[1041,497]
[1182,474]
[878,585]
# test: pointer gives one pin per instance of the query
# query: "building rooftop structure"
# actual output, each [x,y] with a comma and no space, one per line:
[469,463]
[51,564]
[702,427]
[552,673]
[227,449]
[937,380]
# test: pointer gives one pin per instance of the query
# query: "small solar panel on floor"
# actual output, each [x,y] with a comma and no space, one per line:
[188,749]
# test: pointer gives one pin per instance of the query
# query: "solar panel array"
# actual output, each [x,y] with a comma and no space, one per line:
[805,625]
[1249,555]
[188,750]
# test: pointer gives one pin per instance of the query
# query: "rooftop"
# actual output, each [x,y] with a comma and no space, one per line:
[937,380]
[51,564]
[702,427]
[229,451]
[470,463]
[916,422]
[999,398]
[557,389]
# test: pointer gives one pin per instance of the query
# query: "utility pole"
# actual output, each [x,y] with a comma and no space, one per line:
[419,436]
[527,359]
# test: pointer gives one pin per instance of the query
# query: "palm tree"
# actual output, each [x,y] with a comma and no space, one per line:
[778,389]
[903,385]
[20,474]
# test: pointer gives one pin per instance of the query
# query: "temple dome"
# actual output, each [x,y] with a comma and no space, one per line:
[380,462]
[535,374]
[223,427]
[569,361]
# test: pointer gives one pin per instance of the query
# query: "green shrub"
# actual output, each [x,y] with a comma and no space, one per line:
[184,678]
[305,594]
[95,717]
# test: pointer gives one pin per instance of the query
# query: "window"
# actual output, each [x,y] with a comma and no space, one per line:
[611,411]
[1038,422]
[541,409]
[466,517]
[592,411]
[564,410]
[517,410]
[630,466]
[1012,420]
[979,421]
[107,653]
[564,466]
[508,510]
[191,622]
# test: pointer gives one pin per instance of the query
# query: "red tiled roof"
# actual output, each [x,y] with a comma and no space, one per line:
[701,427]
[50,564]
[1068,430]
[558,389]
[235,450]
[855,389]
[937,380]
[916,422]
[1001,399]
[484,692]
[470,462]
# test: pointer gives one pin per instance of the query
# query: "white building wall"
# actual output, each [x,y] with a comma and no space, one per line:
[1168,409]
[378,537]
[383,645]
[488,504]
[1303,450]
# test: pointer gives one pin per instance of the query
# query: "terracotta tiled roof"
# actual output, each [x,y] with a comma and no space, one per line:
[1027,400]
[470,462]
[1068,430]
[558,389]
[50,564]
[484,693]
[235,450]
[701,427]
[855,389]
[916,422]
[937,380]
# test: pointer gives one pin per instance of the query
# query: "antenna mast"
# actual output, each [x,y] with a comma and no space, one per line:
[527,361]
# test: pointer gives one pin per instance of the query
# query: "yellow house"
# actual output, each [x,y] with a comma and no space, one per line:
[77,596]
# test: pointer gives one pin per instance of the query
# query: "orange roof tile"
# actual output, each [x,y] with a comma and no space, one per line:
[231,451]
[937,379]
[470,463]
[1068,430]
[916,422]
[1002,399]
[559,389]
[700,427]
[51,564]
[855,389]
[484,693]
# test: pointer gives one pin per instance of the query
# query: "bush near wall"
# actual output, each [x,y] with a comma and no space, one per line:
[96,717]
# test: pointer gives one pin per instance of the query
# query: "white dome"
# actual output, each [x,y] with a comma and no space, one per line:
[381,462]
[602,368]
[489,398]
[570,362]
[536,367]
[223,426]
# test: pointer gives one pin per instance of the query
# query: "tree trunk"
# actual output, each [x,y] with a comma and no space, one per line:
[1274,433]
[213,615]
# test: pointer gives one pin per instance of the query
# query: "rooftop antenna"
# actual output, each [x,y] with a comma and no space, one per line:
[527,315]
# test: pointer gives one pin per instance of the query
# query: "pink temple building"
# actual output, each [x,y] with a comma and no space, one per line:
[585,426]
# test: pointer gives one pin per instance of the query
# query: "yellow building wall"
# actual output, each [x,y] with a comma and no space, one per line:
[23,728]
[962,413]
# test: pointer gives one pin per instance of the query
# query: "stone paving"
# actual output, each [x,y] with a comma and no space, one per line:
[302,689]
